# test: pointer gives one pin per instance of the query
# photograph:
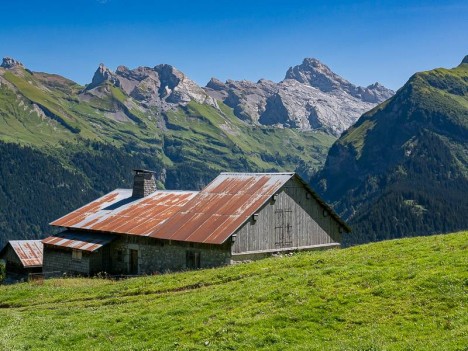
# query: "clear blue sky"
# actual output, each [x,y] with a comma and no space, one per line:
[364,41]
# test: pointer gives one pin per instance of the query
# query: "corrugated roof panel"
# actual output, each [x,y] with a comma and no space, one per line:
[80,241]
[217,211]
[85,214]
[213,223]
[28,251]
[119,212]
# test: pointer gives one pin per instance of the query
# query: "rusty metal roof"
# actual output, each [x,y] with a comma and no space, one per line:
[119,212]
[209,216]
[79,240]
[28,251]
[218,210]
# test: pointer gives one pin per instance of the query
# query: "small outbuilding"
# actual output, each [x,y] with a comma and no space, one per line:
[23,256]
[238,216]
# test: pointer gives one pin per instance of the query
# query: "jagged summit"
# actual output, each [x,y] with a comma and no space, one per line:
[316,74]
[9,63]
[170,78]
[101,75]
[215,84]
[376,85]
[122,69]
[162,86]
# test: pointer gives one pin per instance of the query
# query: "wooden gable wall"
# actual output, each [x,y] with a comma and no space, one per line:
[294,220]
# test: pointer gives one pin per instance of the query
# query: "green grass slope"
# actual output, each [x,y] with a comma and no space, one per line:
[408,294]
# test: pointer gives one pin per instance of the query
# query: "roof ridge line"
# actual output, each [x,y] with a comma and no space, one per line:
[160,190]
[259,173]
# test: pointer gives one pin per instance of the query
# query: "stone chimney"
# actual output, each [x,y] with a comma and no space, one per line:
[144,183]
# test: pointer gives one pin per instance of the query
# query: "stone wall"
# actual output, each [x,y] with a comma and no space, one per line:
[163,256]
[154,256]
[59,260]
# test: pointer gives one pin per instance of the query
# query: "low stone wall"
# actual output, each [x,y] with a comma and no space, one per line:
[160,256]
[56,260]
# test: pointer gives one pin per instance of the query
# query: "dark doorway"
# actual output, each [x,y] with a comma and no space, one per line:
[133,262]
[193,260]
[106,257]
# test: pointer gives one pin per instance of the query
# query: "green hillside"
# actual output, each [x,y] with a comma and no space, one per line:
[408,294]
[402,169]
[70,145]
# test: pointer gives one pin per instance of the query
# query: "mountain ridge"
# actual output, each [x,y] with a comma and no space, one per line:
[316,74]
[311,97]
[402,169]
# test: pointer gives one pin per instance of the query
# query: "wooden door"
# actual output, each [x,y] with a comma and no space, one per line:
[283,228]
[133,262]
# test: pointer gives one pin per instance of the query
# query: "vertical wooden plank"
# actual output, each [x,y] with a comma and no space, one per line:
[308,224]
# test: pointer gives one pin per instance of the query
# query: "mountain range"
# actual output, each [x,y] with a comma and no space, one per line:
[402,169]
[311,96]
[63,144]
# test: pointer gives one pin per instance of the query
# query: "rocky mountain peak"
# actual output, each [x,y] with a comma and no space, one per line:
[215,84]
[170,76]
[163,86]
[101,75]
[376,85]
[312,64]
[9,63]
[122,69]
[316,74]
[465,60]
[176,88]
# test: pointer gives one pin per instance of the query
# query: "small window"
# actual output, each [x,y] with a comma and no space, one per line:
[193,260]
[77,255]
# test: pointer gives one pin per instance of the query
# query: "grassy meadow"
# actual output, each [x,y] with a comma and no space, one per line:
[408,294]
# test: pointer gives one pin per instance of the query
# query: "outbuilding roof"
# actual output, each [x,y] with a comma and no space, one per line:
[28,251]
[79,240]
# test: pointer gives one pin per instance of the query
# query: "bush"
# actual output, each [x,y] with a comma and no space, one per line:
[2,270]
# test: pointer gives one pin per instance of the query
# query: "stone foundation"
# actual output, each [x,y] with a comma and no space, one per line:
[160,256]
